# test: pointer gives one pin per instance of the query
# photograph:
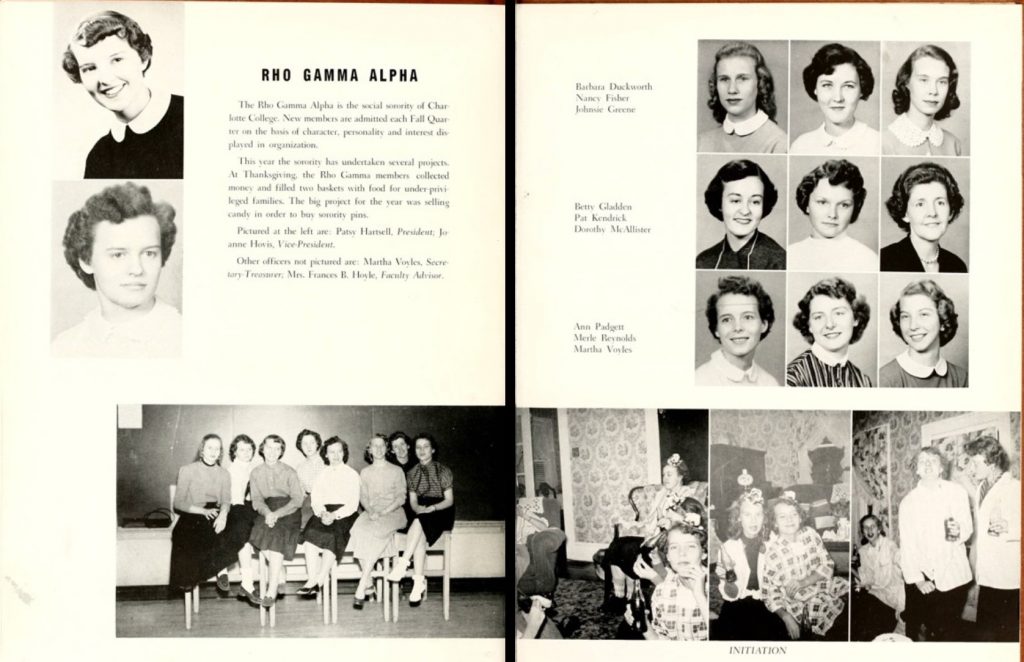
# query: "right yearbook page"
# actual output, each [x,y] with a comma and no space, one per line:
[767,363]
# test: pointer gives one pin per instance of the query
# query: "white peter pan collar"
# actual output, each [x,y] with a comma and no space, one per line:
[912,136]
[746,127]
[827,358]
[150,116]
[915,369]
[733,373]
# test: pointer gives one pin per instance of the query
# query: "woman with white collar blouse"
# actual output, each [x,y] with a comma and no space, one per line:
[109,55]
[924,318]
[925,94]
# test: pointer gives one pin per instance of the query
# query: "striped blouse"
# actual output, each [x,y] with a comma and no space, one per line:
[808,370]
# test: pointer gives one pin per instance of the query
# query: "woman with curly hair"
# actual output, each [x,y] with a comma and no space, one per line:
[382,491]
[739,314]
[831,317]
[797,579]
[838,79]
[925,319]
[117,244]
[743,615]
[925,201]
[925,94]
[742,100]
[109,55]
[832,196]
[741,195]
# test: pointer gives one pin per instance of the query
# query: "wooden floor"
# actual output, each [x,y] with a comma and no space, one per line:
[473,614]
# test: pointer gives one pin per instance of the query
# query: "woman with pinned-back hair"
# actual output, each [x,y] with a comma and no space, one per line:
[109,55]
[235,541]
[741,94]
[925,94]
[277,498]
[432,500]
[830,317]
[925,201]
[925,319]
[383,494]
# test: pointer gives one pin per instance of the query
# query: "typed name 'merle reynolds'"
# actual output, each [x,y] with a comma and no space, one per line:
[602,338]
[610,98]
[613,217]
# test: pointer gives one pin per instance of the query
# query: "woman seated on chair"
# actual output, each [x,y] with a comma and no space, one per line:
[433,504]
[201,499]
[309,444]
[335,501]
[235,540]
[623,552]
[743,615]
[797,580]
[277,497]
[382,491]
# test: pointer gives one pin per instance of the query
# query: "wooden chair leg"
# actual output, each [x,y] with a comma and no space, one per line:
[188,610]
[384,589]
[262,574]
[446,560]
[326,600]
[195,599]
[396,597]
[333,595]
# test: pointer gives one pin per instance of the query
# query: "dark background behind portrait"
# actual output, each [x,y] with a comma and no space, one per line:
[776,55]
[865,229]
[471,443]
[957,237]
[956,288]
[895,53]
[771,353]
[685,431]
[78,120]
[863,353]
[710,230]
[805,114]
[70,299]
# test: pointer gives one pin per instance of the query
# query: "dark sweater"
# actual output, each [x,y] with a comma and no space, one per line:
[901,256]
[156,154]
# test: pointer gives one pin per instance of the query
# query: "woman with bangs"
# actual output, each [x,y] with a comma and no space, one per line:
[109,55]
[741,94]
[925,319]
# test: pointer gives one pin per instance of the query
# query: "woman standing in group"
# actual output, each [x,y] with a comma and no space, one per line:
[797,581]
[743,615]
[383,493]
[277,498]
[432,500]
[201,499]
[335,502]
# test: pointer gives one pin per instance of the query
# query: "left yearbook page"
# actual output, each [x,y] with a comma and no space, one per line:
[253,268]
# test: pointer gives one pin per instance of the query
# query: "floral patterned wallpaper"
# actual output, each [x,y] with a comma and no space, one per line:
[785,435]
[905,439]
[871,467]
[608,458]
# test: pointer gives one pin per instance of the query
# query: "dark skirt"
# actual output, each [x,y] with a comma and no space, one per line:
[437,522]
[307,512]
[747,620]
[235,534]
[334,536]
[283,536]
[194,550]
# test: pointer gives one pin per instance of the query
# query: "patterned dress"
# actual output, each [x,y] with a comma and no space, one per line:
[675,613]
[785,561]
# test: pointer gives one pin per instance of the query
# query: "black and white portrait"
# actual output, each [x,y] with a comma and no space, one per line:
[117,269]
[121,110]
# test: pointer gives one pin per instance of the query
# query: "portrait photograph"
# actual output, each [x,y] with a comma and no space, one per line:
[611,524]
[309,521]
[925,92]
[925,225]
[116,269]
[832,330]
[834,98]
[118,83]
[780,525]
[742,96]
[833,214]
[741,212]
[936,499]
[923,325]
[740,321]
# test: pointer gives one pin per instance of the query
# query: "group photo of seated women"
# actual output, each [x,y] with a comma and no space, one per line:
[780,527]
[336,493]
[938,557]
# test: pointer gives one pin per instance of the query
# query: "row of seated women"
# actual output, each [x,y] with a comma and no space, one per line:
[270,507]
